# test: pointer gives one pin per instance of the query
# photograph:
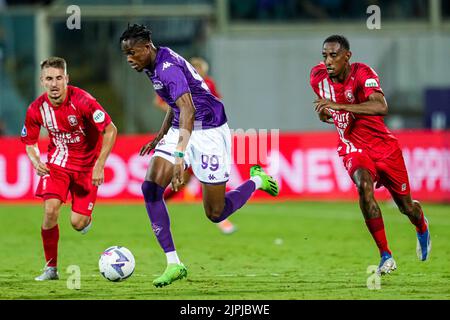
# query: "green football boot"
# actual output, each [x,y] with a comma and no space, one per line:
[172,273]
[269,184]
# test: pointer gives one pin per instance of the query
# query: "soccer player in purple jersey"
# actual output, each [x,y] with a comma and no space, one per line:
[194,134]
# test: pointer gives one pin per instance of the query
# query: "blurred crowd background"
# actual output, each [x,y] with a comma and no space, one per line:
[260,53]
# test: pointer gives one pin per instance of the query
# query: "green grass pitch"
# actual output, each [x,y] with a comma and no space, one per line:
[293,250]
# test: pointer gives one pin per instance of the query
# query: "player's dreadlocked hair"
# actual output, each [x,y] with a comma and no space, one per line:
[137,32]
[339,39]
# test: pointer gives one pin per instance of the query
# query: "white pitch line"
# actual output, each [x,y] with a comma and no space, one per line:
[134,275]
[218,275]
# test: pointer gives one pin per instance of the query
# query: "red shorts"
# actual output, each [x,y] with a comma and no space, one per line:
[59,182]
[389,172]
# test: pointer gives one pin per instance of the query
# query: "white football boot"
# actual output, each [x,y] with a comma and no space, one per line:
[387,264]
[50,273]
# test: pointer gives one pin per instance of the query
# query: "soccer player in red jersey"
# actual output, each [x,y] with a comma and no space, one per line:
[81,137]
[350,96]
[202,67]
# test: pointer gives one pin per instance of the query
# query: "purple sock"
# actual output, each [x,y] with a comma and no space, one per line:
[236,198]
[158,214]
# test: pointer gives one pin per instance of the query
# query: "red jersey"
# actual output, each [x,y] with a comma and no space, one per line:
[356,132]
[74,128]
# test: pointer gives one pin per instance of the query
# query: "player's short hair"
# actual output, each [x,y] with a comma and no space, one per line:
[339,39]
[54,62]
[137,32]
[197,61]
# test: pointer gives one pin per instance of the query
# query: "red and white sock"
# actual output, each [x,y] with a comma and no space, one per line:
[376,228]
[421,225]
[50,238]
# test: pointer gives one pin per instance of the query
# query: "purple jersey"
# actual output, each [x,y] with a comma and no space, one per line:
[174,76]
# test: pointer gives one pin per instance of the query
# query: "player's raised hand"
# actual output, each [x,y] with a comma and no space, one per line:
[178,174]
[98,174]
[148,147]
[41,169]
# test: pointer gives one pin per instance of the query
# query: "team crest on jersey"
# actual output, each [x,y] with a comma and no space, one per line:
[349,95]
[371,83]
[99,116]
[72,120]
[24,132]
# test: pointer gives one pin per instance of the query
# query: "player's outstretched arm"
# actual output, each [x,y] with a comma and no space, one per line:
[34,156]
[109,138]
[375,106]
[167,123]
[187,116]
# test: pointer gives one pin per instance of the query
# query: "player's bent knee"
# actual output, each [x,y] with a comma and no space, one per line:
[80,223]
[51,213]
[78,226]
[365,190]
[214,213]
[152,192]
[406,205]
[406,209]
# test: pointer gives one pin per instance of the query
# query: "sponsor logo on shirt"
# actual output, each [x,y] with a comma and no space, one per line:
[157,85]
[24,132]
[371,83]
[98,116]
[72,120]
[166,65]
[341,119]
[66,137]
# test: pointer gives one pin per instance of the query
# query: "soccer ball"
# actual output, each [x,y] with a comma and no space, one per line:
[116,263]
